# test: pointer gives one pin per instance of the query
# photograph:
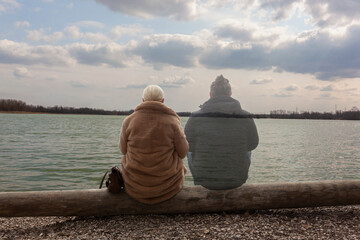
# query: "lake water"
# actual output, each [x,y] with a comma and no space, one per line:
[48,152]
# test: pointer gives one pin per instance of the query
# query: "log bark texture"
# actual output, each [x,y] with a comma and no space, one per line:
[99,202]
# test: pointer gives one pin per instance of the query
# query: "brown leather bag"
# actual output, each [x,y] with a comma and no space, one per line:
[115,181]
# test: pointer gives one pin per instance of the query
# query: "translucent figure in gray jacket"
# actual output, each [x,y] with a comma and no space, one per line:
[221,137]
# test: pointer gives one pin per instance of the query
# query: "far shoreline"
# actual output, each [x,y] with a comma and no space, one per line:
[24,112]
[20,107]
[185,114]
[27,112]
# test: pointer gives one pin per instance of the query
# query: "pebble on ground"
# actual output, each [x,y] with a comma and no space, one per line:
[306,223]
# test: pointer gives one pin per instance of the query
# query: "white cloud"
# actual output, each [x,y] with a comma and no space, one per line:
[170,82]
[317,53]
[96,37]
[111,54]
[324,13]
[48,1]
[52,78]
[282,9]
[333,12]
[22,72]
[165,49]
[6,5]
[283,95]
[312,87]
[247,32]
[21,24]
[78,84]
[129,30]
[73,32]
[333,88]
[92,37]
[175,9]
[135,86]
[216,4]
[117,32]
[328,88]
[326,58]
[326,96]
[234,57]
[292,88]
[39,35]
[70,5]
[263,81]
[176,82]
[22,53]
[235,30]
[91,24]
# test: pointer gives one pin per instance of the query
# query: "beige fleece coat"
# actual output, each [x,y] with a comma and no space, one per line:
[153,144]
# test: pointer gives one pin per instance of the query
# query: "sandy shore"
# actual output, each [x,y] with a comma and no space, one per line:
[306,223]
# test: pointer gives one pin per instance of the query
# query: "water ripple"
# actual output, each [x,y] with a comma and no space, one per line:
[46,152]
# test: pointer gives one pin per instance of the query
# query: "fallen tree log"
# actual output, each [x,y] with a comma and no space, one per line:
[99,202]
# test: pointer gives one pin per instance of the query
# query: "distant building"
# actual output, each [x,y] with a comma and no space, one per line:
[354,109]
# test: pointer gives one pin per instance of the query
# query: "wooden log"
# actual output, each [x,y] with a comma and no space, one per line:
[99,202]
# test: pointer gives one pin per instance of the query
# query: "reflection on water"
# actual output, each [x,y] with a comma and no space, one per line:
[299,150]
[44,151]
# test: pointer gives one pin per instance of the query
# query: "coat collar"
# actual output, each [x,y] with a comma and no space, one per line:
[223,104]
[155,106]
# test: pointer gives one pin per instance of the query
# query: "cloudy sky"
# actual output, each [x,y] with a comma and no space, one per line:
[277,54]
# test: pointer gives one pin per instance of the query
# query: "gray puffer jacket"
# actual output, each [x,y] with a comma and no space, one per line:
[220,137]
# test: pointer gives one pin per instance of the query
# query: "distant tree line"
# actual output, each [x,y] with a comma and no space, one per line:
[338,115]
[10,105]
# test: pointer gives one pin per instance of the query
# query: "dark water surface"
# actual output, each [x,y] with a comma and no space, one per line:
[47,152]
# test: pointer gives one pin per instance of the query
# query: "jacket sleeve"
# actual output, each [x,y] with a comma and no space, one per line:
[190,133]
[253,137]
[123,139]
[181,144]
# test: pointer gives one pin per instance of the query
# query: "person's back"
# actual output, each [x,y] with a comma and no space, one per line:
[153,145]
[221,136]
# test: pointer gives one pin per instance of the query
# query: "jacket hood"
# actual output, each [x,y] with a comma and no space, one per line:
[155,106]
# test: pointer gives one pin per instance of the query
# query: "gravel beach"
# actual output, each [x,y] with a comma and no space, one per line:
[307,223]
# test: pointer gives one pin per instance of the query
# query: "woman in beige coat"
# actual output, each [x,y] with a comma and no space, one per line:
[153,144]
